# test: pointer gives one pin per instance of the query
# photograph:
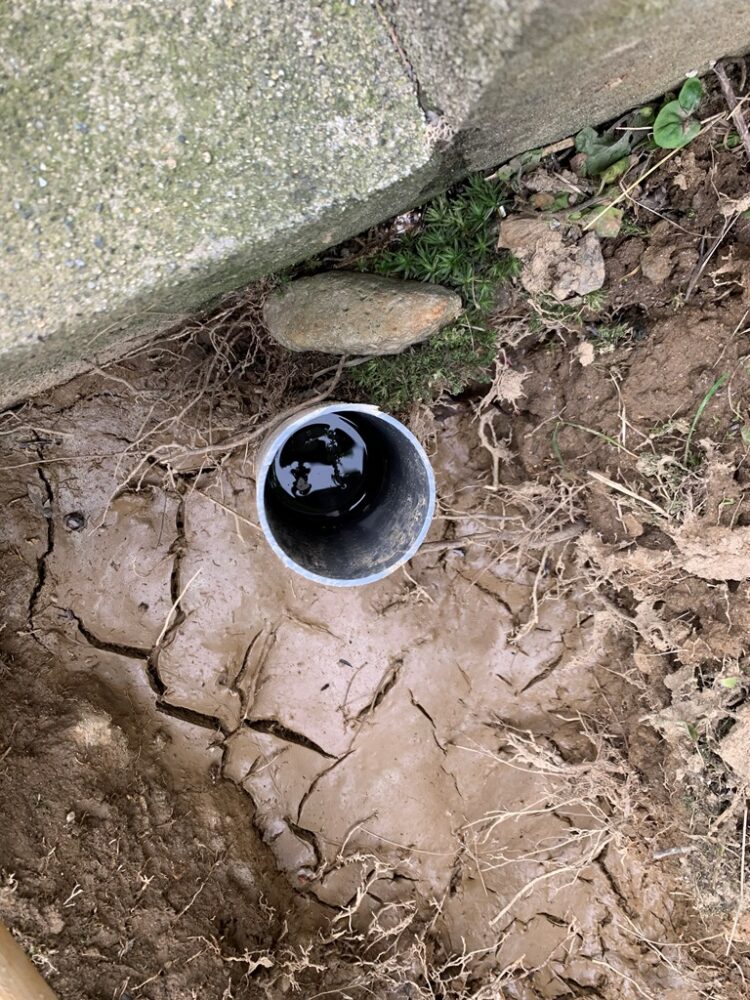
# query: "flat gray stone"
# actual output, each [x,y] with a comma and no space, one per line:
[340,312]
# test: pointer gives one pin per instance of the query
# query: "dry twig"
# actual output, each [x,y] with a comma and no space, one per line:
[734,106]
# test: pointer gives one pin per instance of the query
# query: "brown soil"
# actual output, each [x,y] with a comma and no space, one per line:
[508,772]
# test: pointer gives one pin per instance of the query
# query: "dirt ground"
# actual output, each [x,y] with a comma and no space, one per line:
[515,769]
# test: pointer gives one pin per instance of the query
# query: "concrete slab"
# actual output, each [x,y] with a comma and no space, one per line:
[510,75]
[156,154]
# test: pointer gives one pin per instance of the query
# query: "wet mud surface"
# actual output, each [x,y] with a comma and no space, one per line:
[184,716]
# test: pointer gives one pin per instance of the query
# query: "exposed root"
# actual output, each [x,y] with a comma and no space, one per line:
[734,109]
[506,387]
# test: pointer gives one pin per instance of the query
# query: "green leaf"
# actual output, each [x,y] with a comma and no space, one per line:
[729,682]
[690,95]
[606,155]
[587,140]
[745,435]
[608,223]
[673,129]
[617,169]
[601,152]
[518,166]
[720,381]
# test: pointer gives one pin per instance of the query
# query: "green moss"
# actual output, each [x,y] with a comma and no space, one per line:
[610,335]
[448,362]
[454,246]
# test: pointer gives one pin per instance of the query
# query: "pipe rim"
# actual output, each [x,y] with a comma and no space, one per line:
[281,435]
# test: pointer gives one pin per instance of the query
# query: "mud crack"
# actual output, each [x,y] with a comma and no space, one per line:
[495,597]
[275,728]
[155,682]
[544,673]
[423,711]
[309,838]
[457,870]
[317,779]
[121,649]
[41,563]
[385,685]
[191,716]
[148,656]
[251,667]
[177,549]
[176,614]
[601,864]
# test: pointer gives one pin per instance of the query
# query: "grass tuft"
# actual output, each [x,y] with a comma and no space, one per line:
[454,246]
[720,381]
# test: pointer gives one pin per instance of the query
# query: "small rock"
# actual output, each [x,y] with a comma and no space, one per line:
[713,551]
[55,923]
[542,200]
[92,807]
[92,730]
[292,853]
[543,181]
[585,353]
[656,264]
[633,525]
[242,875]
[346,313]
[554,262]
[656,260]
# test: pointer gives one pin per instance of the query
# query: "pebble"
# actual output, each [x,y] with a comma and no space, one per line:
[342,312]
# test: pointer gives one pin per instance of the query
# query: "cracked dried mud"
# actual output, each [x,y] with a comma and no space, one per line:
[210,749]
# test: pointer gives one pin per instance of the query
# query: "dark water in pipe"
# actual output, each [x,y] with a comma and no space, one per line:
[330,471]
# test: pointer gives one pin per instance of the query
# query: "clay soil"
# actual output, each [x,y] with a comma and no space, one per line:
[515,769]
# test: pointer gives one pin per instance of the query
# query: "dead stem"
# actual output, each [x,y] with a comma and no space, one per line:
[741,900]
[732,103]
[245,437]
